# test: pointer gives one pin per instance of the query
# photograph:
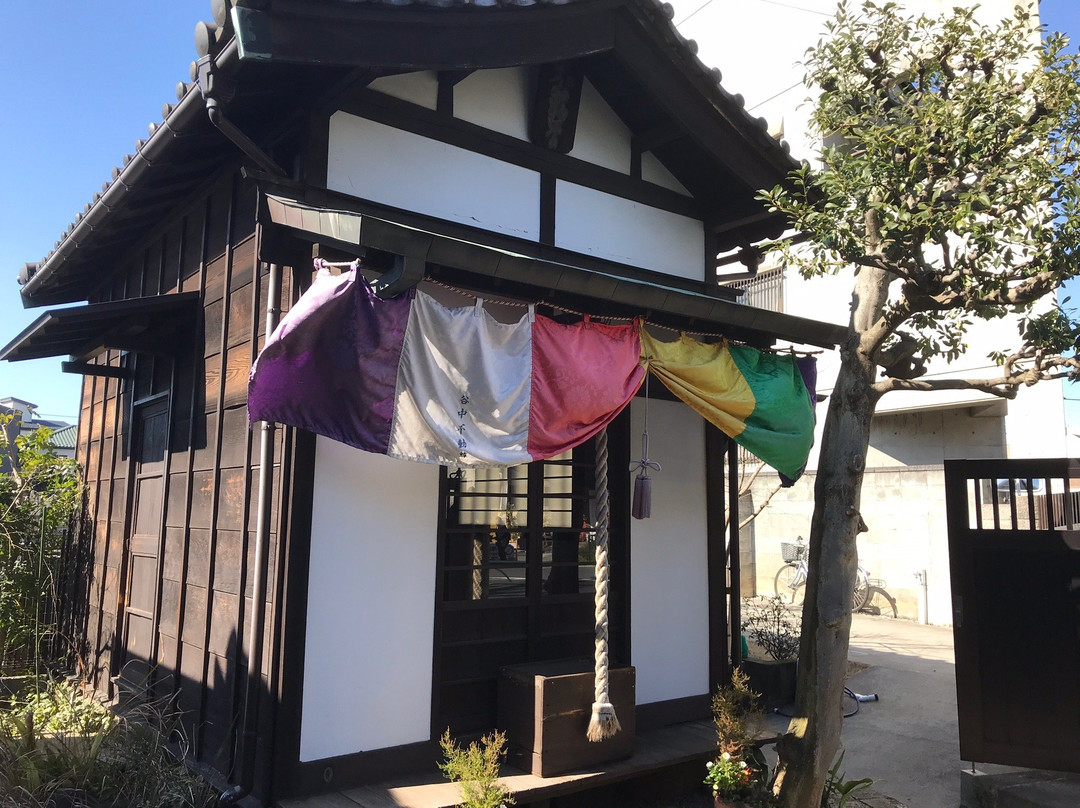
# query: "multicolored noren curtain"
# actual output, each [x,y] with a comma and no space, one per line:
[759,399]
[416,380]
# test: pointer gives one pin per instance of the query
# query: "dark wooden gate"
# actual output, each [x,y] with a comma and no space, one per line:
[1014,551]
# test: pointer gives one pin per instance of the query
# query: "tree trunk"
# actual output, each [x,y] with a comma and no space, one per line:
[808,748]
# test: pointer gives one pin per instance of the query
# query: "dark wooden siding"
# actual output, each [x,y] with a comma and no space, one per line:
[208,497]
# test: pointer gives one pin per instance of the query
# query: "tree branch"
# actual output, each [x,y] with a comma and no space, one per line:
[1003,387]
[760,508]
[1021,369]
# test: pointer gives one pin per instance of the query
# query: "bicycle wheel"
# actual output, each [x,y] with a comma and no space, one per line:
[790,583]
[861,593]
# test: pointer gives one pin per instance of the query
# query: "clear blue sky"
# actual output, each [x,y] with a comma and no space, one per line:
[81,83]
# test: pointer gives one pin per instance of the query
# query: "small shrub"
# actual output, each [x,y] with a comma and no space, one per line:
[40,495]
[770,623]
[736,715]
[60,708]
[740,770]
[58,747]
[476,768]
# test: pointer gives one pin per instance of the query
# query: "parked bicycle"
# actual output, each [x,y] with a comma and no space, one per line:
[790,581]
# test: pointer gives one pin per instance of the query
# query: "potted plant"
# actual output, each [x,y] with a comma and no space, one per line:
[739,775]
[775,631]
[729,779]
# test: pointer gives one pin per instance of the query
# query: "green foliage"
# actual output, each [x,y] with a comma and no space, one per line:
[950,165]
[476,768]
[740,770]
[727,776]
[837,790]
[770,623]
[39,497]
[59,747]
[59,708]
[736,715]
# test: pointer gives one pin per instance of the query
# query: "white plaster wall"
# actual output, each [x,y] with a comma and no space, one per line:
[622,230]
[602,138]
[652,170]
[668,560]
[377,162]
[421,88]
[495,99]
[370,620]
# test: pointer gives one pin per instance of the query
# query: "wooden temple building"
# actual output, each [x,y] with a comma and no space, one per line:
[321,614]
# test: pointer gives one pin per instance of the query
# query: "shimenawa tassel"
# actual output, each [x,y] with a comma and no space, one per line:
[641,506]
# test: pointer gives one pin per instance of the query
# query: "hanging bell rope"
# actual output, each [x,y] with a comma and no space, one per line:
[641,507]
[604,723]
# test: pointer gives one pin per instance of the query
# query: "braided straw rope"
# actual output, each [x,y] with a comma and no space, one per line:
[604,723]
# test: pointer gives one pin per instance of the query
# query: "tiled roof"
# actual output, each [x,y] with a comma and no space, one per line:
[65,437]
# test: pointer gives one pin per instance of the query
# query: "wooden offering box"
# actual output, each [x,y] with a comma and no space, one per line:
[545,707]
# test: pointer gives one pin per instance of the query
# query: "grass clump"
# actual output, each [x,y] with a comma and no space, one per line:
[476,768]
[60,748]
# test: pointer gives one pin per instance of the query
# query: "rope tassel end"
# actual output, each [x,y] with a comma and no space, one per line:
[604,723]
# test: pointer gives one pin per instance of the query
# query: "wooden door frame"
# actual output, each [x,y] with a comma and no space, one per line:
[619,609]
[138,407]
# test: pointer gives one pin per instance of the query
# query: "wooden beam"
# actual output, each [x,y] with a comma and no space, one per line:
[400,114]
[716,563]
[547,209]
[448,80]
[656,137]
[734,554]
[421,39]
[513,260]
[89,369]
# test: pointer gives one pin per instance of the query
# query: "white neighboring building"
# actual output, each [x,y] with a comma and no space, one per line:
[903,491]
[25,422]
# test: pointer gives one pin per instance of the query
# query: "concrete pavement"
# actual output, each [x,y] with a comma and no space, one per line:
[908,741]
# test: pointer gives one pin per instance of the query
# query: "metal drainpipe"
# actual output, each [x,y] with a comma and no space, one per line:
[250,719]
[218,88]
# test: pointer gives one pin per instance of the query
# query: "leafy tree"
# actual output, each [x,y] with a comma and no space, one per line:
[39,495]
[951,187]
